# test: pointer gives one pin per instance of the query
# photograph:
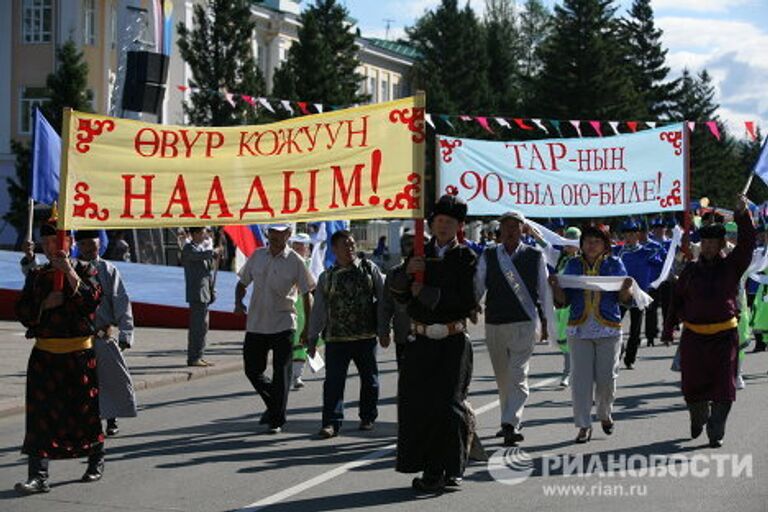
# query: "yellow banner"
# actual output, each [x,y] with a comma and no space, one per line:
[360,163]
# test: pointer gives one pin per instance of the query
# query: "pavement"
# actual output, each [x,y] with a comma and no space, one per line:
[159,358]
[197,447]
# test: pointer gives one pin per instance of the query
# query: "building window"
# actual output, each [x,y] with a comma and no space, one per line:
[31,97]
[372,90]
[113,26]
[385,89]
[396,94]
[36,21]
[89,23]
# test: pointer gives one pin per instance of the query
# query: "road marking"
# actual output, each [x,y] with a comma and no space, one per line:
[362,461]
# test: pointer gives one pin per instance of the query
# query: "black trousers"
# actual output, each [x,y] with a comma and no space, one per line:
[633,343]
[273,391]
[661,298]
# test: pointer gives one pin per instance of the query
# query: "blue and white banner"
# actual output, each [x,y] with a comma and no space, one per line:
[586,177]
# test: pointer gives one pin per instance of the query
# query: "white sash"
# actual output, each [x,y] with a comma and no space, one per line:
[677,235]
[516,282]
[605,284]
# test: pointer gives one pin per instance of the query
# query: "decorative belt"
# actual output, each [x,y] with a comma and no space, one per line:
[104,332]
[63,345]
[712,328]
[438,331]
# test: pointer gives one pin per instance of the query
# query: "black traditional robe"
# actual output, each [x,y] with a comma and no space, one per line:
[62,405]
[707,293]
[433,428]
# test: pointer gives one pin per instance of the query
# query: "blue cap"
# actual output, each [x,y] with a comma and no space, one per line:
[657,222]
[630,226]
[557,223]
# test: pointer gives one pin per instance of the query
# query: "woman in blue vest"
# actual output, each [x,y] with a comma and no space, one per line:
[594,331]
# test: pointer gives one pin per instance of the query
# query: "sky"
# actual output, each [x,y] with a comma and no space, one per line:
[727,37]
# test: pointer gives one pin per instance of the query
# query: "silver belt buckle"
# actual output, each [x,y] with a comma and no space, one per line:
[437,331]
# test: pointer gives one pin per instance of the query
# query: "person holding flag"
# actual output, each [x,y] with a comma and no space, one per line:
[706,300]
[434,427]
[62,402]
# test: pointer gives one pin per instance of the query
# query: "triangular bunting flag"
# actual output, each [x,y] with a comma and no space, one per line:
[287,106]
[428,119]
[182,88]
[303,107]
[712,125]
[444,118]
[596,126]
[229,97]
[264,103]
[750,127]
[632,125]
[651,124]
[614,126]
[541,126]
[577,125]
[502,122]
[691,126]
[556,124]
[522,124]
[483,121]
[248,99]
[465,118]
[319,108]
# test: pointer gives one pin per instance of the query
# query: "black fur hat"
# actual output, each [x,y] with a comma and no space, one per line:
[451,206]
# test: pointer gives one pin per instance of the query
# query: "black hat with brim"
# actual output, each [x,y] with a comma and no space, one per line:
[713,231]
[451,206]
[86,234]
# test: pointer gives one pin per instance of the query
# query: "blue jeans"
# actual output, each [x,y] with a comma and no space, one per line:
[337,357]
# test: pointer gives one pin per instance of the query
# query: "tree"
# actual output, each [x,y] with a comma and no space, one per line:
[219,51]
[452,66]
[503,44]
[535,25]
[322,65]
[645,58]
[583,74]
[715,172]
[66,87]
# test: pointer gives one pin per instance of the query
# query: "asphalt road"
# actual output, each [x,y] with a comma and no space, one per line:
[197,446]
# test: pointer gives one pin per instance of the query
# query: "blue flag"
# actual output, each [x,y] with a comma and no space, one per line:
[46,158]
[761,167]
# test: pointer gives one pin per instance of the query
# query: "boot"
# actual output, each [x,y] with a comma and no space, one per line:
[716,423]
[37,481]
[95,468]
[699,414]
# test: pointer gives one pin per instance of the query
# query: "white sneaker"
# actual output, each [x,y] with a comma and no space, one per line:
[565,381]
[298,383]
[740,384]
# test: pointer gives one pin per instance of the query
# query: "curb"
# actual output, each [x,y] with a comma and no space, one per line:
[13,406]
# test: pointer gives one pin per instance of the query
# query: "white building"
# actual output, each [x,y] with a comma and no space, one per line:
[30,31]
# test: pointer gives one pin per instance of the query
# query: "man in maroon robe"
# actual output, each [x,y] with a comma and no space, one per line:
[705,299]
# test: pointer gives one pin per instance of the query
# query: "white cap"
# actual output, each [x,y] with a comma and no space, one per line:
[513,214]
[279,227]
[300,238]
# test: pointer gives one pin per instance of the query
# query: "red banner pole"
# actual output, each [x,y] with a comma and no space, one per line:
[418,246]
[687,220]
[61,245]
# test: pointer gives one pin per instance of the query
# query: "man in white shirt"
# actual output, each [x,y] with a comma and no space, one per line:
[513,277]
[278,275]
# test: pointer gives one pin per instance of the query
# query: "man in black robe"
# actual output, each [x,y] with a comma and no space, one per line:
[436,366]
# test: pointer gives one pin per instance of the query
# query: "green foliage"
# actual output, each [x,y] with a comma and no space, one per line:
[322,65]
[218,49]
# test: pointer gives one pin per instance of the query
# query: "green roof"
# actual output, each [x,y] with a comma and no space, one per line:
[399,48]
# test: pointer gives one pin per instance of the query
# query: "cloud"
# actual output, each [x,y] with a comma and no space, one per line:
[711,6]
[733,53]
